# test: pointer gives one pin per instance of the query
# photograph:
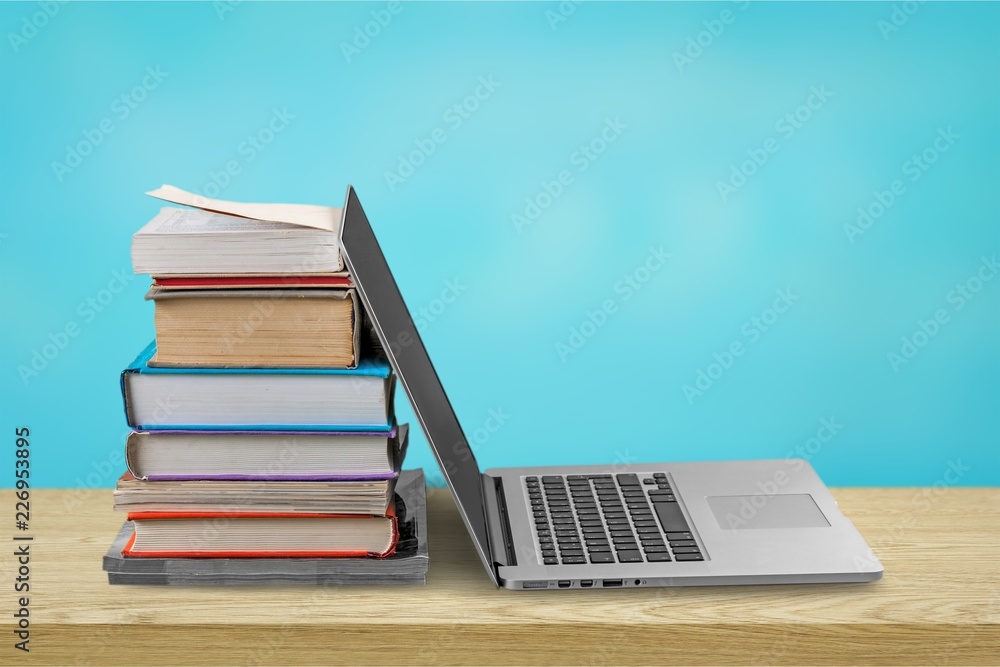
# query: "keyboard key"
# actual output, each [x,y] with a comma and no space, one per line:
[594,529]
[687,550]
[659,475]
[552,479]
[571,477]
[598,548]
[671,517]
[647,523]
[623,540]
[683,543]
[654,549]
[549,553]
[649,480]
[618,521]
[646,530]
[657,557]
[602,557]
[551,561]
[630,556]
[568,553]
[683,557]
[574,560]
[626,479]
[681,535]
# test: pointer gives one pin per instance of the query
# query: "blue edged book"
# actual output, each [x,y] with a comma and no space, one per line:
[262,399]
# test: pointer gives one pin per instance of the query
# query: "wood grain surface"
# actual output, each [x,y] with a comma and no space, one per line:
[938,603]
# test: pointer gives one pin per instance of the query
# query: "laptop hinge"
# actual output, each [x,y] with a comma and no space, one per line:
[498,522]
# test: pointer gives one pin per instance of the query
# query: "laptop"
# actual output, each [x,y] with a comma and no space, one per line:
[613,526]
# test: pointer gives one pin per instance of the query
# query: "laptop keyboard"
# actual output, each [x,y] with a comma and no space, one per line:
[609,519]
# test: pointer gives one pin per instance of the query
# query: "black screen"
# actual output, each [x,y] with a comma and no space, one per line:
[416,373]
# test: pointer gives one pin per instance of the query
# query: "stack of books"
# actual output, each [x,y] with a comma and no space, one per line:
[264,445]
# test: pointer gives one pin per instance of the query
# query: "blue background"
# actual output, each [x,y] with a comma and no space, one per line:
[522,290]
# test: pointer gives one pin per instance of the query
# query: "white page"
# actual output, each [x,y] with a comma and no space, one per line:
[304,215]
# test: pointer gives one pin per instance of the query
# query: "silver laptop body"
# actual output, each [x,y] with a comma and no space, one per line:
[616,526]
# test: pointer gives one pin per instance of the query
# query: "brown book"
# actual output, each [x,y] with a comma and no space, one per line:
[256,328]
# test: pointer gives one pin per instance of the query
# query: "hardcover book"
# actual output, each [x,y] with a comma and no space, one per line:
[265,455]
[330,399]
[260,535]
[256,328]
[407,564]
[217,237]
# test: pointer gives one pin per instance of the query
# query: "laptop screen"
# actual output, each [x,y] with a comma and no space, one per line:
[409,359]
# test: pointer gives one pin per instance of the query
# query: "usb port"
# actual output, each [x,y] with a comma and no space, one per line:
[586,583]
[564,584]
[611,583]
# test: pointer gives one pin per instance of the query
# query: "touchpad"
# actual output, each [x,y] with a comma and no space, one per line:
[790,510]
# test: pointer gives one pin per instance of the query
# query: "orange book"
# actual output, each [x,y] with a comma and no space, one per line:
[261,535]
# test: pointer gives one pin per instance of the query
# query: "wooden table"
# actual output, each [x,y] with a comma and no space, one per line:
[939,603]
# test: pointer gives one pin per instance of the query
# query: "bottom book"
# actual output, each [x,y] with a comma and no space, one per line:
[407,564]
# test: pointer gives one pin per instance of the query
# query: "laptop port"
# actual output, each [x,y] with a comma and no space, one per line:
[586,583]
[564,584]
[611,583]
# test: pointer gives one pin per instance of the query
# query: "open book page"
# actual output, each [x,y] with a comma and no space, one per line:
[304,215]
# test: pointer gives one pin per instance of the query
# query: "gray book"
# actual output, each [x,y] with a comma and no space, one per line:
[407,565]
